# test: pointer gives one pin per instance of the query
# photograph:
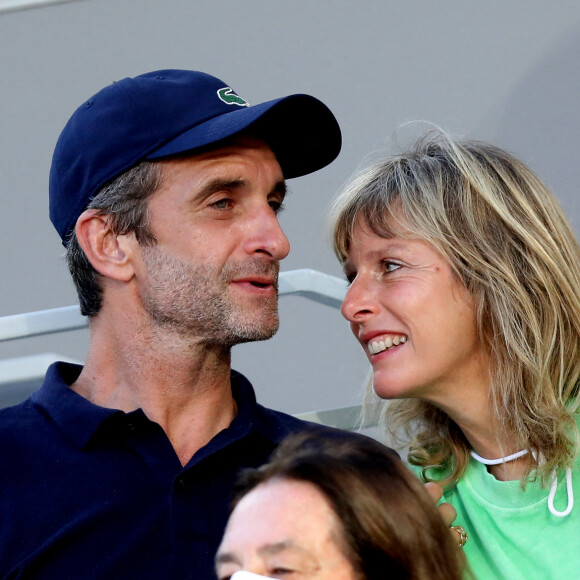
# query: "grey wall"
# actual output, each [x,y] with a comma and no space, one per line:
[500,70]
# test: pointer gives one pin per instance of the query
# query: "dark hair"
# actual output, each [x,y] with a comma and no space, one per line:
[124,201]
[390,526]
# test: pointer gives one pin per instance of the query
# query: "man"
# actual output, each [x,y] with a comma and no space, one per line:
[165,190]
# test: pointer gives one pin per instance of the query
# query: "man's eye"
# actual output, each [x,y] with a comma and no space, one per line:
[224,203]
[277,206]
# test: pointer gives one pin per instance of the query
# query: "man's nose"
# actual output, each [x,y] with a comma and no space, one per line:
[265,235]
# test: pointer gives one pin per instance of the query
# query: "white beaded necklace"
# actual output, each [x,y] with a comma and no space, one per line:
[553,487]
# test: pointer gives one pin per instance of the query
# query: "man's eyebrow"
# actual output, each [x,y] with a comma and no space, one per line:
[218,184]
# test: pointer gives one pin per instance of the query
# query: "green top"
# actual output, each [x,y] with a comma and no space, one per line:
[512,533]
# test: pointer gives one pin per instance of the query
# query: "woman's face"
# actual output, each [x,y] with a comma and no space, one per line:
[283,529]
[414,320]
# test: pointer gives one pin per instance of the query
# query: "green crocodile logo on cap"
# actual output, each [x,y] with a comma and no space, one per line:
[228,96]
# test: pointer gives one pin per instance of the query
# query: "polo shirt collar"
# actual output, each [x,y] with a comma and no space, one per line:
[76,417]
[79,419]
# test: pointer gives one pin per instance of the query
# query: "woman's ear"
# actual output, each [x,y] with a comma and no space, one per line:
[109,253]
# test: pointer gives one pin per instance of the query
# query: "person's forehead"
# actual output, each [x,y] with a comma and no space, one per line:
[287,519]
[287,505]
[234,153]
[234,145]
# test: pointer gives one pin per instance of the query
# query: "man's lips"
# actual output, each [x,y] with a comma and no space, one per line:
[259,283]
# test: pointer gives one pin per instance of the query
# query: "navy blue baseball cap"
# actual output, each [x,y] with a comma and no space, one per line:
[176,112]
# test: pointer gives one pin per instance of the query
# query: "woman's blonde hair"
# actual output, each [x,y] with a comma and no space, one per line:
[508,241]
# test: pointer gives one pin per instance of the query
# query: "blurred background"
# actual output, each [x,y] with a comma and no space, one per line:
[501,70]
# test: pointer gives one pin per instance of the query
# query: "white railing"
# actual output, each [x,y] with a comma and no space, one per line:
[12,5]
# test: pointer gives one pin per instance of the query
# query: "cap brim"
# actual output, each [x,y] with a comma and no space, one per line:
[300,129]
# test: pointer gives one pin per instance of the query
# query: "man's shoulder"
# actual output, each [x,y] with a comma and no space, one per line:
[281,418]
[276,425]
[25,411]
[27,417]
[287,424]
[20,425]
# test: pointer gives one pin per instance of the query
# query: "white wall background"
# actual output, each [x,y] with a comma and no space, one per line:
[501,70]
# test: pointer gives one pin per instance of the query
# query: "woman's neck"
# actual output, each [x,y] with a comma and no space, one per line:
[487,437]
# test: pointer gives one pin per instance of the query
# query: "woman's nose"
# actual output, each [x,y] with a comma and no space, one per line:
[359,301]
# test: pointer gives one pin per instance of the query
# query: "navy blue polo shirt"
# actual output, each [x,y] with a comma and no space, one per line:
[89,492]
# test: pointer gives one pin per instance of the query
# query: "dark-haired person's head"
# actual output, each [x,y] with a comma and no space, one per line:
[336,508]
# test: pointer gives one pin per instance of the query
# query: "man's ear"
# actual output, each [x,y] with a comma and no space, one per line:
[109,253]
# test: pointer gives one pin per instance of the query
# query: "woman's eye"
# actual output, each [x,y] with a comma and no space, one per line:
[350,277]
[390,266]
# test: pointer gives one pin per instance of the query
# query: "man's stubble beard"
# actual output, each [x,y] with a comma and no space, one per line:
[194,301]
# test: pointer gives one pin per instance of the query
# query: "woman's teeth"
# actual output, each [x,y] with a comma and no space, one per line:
[386,343]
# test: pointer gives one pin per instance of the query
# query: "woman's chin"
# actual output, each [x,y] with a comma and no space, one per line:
[388,387]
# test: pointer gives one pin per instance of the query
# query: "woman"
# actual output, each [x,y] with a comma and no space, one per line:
[465,295]
[336,508]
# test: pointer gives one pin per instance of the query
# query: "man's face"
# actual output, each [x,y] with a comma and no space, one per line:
[213,272]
